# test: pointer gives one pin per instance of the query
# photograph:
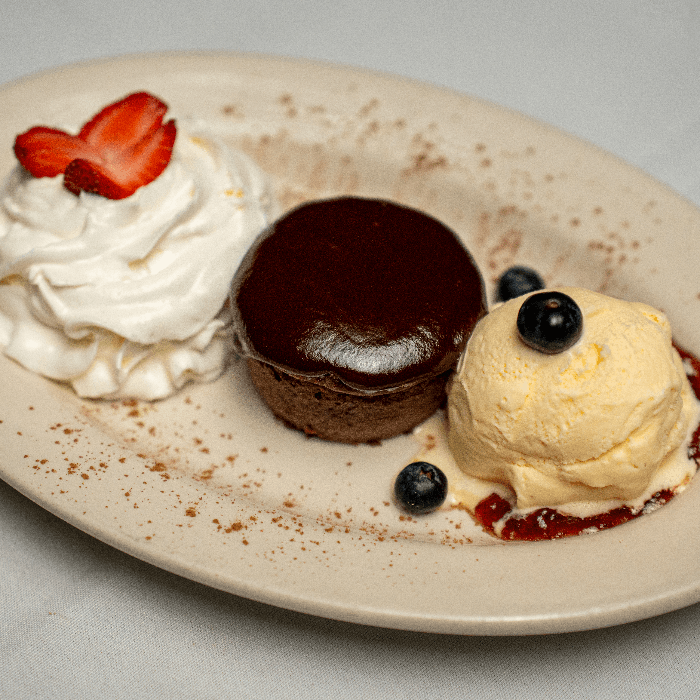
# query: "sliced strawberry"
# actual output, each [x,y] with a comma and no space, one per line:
[123,172]
[46,152]
[124,123]
[120,149]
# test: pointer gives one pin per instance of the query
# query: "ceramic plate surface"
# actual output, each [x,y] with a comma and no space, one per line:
[210,486]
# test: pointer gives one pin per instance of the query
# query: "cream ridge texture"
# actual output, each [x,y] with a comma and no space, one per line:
[607,420]
[126,298]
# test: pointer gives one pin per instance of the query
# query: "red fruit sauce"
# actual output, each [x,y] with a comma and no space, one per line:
[549,524]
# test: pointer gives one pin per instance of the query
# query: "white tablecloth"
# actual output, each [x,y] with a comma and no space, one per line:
[79,619]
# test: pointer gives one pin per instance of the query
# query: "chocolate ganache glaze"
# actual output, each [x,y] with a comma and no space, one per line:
[374,294]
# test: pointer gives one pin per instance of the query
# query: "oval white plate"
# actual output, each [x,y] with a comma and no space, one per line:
[208,485]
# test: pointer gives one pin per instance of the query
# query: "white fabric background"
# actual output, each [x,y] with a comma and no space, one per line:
[81,620]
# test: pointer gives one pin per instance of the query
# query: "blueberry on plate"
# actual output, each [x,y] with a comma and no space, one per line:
[516,281]
[420,487]
[550,322]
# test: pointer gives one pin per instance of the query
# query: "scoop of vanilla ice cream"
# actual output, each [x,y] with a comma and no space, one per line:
[127,298]
[597,422]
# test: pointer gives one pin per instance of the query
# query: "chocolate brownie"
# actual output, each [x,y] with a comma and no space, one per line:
[352,313]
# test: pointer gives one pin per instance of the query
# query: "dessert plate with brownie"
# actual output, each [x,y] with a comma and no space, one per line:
[373,218]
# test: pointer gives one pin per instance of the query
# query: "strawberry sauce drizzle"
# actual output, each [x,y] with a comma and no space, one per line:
[549,524]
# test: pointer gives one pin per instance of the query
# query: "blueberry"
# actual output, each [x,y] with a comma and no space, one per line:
[550,322]
[516,281]
[420,487]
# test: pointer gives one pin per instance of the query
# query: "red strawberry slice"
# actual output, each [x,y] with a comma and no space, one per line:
[125,122]
[120,149]
[46,152]
[120,173]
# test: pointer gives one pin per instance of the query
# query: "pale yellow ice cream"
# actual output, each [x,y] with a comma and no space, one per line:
[606,420]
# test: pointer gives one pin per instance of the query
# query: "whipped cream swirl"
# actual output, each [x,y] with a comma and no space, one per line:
[128,298]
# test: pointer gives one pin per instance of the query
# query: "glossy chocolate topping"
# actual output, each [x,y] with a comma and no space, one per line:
[375,294]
